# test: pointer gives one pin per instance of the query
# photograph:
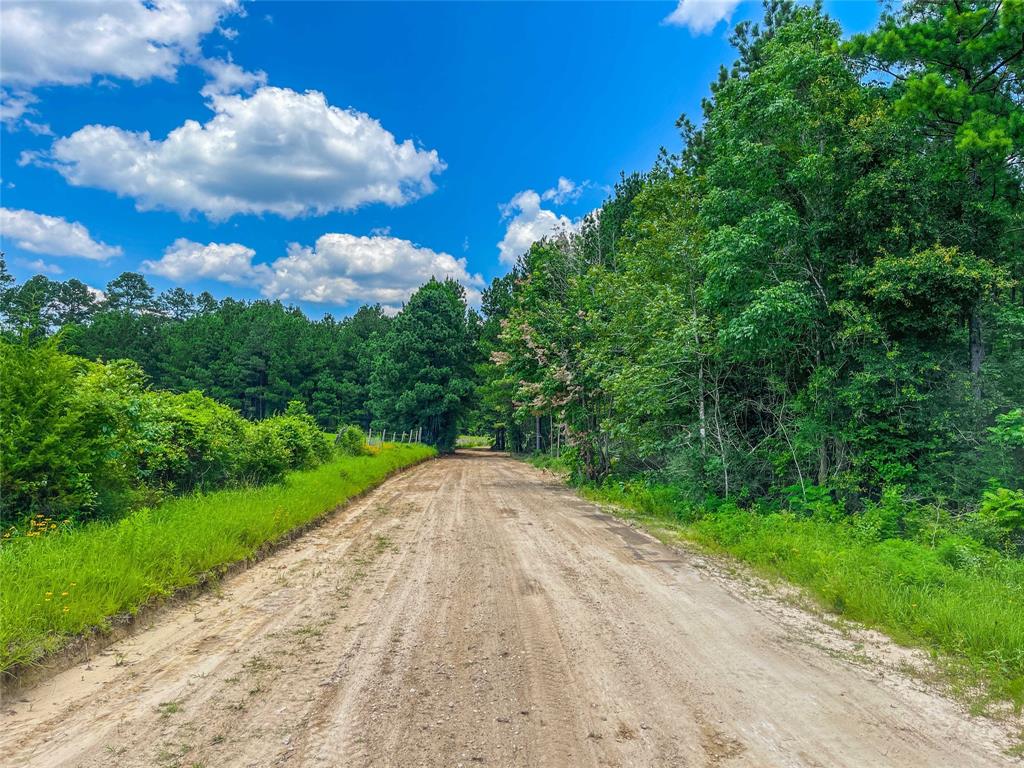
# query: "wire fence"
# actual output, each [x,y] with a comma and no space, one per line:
[394,436]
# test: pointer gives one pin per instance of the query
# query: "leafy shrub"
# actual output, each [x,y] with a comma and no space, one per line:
[351,441]
[62,422]
[190,441]
[813,501]
[305,444]
[1004,509]
[1009,429]
[266,457]
[882,519]
[961,552]
[84,440]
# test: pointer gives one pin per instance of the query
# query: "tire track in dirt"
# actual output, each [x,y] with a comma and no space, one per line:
[472,611]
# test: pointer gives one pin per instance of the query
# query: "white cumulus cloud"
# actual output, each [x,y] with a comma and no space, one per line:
[227,77]
[41,267]
[277,151]
[528,222]
[15,105]
[185,260]
[67,43]
[566,190]
[343,268]
[338,269]
[701,16]
[52,235]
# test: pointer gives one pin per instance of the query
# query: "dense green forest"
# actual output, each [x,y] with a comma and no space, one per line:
[254,357]
[111,404]
[402,373]
[817,300]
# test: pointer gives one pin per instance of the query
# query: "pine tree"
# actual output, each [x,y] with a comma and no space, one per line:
[423,372]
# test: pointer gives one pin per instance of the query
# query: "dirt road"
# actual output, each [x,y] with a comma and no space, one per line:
[474,612]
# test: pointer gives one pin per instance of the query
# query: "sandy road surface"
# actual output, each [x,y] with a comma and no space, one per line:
[474,612]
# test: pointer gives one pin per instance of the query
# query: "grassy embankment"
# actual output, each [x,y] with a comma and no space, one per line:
[962,602]
[64,584]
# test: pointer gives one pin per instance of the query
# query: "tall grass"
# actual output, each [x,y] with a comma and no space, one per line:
[56,586]
[473,441]
[961,601]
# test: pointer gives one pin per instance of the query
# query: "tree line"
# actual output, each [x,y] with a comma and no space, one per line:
[253,356]
[111,403]
[412,372]
[820,293]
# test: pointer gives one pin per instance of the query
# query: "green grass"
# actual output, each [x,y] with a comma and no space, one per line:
[962,602]
[61,585]
[473,441]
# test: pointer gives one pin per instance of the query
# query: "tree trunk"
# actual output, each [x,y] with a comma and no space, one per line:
[700,388]
[977,351]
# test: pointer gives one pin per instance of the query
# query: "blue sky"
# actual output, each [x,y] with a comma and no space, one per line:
[333,154]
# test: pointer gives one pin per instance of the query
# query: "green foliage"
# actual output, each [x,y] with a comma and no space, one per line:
[254,357]
[423,373]
[1005,509]
[882,519]
[931,291]
[822,291]
[304,443]
[1009,429]
[83,440]
[473,441]
[130,293]
[63,422]
[266,458]
[957,67]
[72,581]
[351,441]
[188,441]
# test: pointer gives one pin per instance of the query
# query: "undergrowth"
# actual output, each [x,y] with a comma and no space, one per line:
[65,583]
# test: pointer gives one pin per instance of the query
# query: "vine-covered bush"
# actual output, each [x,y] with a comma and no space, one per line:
[305,444]
[82,439]
[189,441]
[351,441]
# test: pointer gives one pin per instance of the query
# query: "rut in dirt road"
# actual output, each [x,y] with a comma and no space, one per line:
[472,611]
